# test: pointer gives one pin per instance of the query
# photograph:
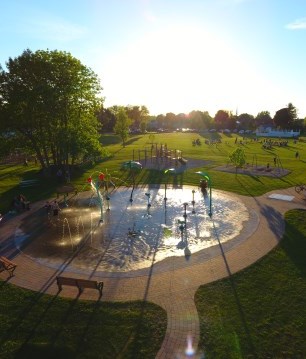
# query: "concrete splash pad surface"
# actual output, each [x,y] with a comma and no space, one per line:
[134,235]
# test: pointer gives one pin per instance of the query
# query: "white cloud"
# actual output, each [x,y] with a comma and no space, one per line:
[297,24]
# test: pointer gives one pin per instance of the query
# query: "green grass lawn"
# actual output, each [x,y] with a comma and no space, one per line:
[39,326]
[215,155]
[260,312]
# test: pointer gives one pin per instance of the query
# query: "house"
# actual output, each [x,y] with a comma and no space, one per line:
[269,132]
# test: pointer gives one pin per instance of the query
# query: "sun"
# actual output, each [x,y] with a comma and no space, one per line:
[179,68]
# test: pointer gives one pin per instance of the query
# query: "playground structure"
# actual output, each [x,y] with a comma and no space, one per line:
[276,166]
[263,165]
[160,155]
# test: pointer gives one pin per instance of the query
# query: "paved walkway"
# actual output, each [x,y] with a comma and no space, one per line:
[174,287]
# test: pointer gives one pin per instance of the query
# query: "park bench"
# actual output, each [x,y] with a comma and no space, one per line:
[79,283]
[65,190]
[29,183]
[6,264]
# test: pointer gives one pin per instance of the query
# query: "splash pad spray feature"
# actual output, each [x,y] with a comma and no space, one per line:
[135,234]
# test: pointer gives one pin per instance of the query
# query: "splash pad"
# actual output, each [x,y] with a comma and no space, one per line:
[134,235]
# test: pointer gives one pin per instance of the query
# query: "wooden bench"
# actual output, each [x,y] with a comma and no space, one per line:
[6,264]
[79,283]
[65,190]
[29,183]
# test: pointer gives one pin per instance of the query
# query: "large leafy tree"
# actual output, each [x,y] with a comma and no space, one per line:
[221,119]
[107,118]
[182,120]
[263,118]
[170,120]
[160,121]
[196,119]
[200,120]
[246,121]
[285,117]
[48,99]
[123,123]
[139,116]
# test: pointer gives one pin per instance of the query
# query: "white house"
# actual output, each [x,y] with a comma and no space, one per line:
[269,132]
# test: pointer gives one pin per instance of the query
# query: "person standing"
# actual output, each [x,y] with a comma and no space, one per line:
[59,175]
[55,208]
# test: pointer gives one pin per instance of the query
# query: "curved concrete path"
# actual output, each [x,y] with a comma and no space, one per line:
[174,287]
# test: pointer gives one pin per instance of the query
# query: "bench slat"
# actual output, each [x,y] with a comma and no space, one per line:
[29,183]
[8,265]
[79,283]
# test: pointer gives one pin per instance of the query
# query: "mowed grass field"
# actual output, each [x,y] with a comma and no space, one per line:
[215,155]
[260,312]
[256,313]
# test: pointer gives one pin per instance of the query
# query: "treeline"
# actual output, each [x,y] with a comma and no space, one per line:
[140,120]
[51,107]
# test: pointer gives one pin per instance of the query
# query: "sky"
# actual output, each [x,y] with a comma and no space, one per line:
[244,56]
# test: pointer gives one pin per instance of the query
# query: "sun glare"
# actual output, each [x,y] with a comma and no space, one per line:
[180,68]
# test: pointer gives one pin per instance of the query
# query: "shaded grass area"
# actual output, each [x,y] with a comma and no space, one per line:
[260,312]
[40,326]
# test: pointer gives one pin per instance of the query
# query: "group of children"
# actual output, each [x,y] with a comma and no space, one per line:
[52,208]
[20,203]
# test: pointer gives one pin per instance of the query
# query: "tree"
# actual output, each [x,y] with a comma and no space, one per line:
[285,117]
[263,118]
[50,100]
[139,116]
[107,119]
[238,158]
[231,123]
[221,119]
[292,111]
[160,121]
[123,123]
[170,122]
[182,121]
[246,121]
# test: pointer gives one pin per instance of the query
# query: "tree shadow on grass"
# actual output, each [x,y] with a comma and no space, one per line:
[34,299]
[247,189]
[45,351]
[294,243]
[150,177]
[275,220]
[144,304]
[29,349]
[132,140]
[51,348]
[237,299]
